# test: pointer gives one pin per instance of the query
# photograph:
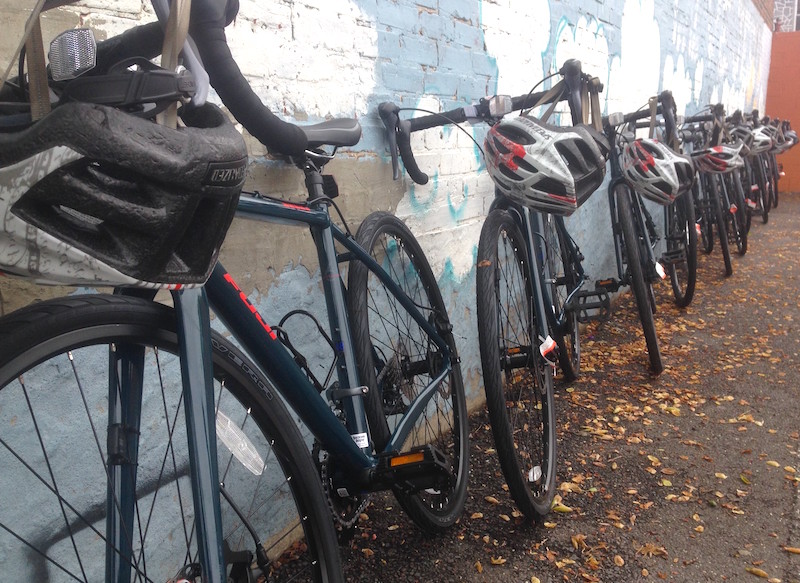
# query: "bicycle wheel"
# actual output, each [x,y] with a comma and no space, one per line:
[703,213]
[517,379]
[762,198]
[563,280]
[719,217]
[682,249]
[397,361]
[769,197]
[775,176]
[58,446]
[746,193]
[737,212]
[636,273]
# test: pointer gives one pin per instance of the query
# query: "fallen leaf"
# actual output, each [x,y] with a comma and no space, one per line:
[478,567]
[651,550]
[498,560]
[793,550]
[619,561]
[368,552]
[721,476]
[579,541]
[394,527]
[773,463]
[757,572]
[492,500]
[476,515]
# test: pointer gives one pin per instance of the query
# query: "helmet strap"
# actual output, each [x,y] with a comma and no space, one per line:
[595,86]
[38,88]
[653,103]
[175,34]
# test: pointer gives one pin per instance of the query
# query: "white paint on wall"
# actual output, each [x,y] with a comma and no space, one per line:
[310,59]
[637,78]
[516,37]
[677,79]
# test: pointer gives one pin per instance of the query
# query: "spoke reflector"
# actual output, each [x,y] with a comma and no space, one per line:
[239,444]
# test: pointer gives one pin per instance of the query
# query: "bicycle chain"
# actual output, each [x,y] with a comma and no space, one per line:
[344,518]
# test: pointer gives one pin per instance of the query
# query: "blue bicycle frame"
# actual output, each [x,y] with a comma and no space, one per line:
[230,304]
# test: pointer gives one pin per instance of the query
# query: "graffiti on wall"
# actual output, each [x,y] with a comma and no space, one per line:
[314,59]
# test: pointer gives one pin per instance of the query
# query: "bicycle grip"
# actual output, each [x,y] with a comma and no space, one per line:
[407,154]
[399,134]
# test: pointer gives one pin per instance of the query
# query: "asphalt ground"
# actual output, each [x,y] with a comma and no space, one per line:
[691,476]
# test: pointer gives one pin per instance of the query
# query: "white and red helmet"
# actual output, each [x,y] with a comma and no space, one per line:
[656,171]
[719,159]
[548,168]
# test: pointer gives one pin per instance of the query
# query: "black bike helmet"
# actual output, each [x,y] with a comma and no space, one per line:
[548,168]
[94,195]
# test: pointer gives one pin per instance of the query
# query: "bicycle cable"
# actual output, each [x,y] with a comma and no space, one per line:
[550,76]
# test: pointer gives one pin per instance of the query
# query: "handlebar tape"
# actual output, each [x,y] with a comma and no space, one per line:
[407,154]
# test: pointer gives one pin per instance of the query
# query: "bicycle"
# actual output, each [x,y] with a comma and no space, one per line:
[394,420]
[635,234]
[530,295]
[707,202]
[715,159]
[680,233]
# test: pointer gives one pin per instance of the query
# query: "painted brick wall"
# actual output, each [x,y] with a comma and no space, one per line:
[314,59]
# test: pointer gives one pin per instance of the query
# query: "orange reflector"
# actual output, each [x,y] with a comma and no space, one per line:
[409,458]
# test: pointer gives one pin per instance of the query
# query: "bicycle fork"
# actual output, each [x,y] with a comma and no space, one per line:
[125,399]
[534,229]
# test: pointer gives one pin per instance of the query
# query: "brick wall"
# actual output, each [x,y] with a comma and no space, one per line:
[313,59]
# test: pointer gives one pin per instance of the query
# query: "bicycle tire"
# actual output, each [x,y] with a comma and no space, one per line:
[65,344]
[773,168]
[745,184]
[763,200]
[722,231]
[563,280]
[637,280]
[763,163]
[682,238]
[738,218]
[519,392]
[703,213]
[384,338]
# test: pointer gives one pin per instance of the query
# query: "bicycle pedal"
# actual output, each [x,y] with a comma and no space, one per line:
[674,256]
[421,468]
[593,305]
